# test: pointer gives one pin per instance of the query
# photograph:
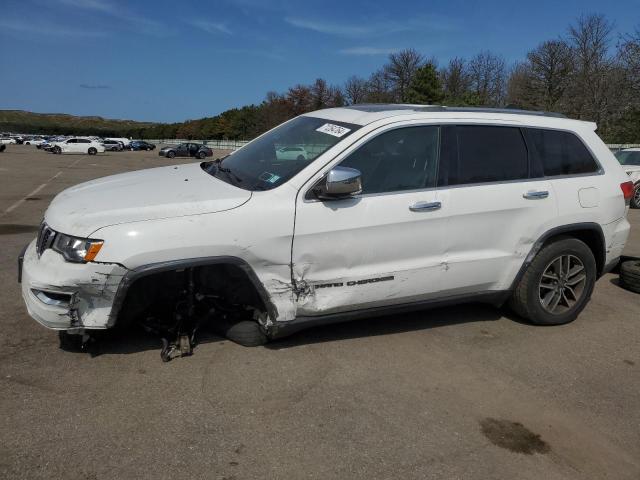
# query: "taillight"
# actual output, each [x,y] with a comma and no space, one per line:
[627,191]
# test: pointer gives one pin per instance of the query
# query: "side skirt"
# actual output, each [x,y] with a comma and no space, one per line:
[283,329]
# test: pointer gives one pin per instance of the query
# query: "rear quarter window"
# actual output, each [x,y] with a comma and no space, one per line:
[560,152]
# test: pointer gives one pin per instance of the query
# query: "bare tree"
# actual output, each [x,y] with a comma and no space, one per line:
[301,99]
[355,90]
[379,88]
[519,87]
[591,90]
[542,80]
[629,55]
[401,69]
[455,81]
[487,74]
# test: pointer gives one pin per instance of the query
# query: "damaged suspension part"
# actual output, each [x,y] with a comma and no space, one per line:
[179,340]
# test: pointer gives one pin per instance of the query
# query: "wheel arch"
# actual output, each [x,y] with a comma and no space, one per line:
[150,269]
[589,233]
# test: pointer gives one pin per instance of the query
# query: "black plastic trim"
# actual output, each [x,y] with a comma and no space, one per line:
[283,329]
[21,261]
[564,229]
[132,275]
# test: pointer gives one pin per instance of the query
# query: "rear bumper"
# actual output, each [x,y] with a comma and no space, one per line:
[65,296]
[616,235]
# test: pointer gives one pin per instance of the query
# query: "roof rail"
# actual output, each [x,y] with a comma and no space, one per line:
[384,107]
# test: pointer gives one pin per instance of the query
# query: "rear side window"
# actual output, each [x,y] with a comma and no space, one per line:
[486,154]
[560,153]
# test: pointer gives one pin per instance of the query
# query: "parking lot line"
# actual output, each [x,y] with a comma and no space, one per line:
[31,194]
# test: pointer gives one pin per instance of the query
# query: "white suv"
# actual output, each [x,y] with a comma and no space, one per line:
[398,207]
[629,158]
[78,145]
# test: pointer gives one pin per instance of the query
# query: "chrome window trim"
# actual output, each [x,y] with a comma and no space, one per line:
[455,122]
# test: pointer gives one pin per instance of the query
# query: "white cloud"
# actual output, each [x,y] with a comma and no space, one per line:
[368,51]
[135,21]
[330,28]
[45,29]
[370,28]
[211,27]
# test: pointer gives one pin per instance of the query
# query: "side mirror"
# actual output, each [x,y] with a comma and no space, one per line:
[340,182]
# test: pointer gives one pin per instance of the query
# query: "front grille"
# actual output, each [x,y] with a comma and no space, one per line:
[45,238]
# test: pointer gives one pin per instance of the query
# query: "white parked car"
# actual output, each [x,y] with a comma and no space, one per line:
[629,158]
[402,208]
[78,145]
[291,153]
[34,141]
[125,141]
[8,141]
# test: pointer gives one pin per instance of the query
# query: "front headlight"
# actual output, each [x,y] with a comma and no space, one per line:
[75,249]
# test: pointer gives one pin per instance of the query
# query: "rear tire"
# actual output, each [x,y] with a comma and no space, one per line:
[201,155]
[558,283]
[635,199]
[70,343]
[171,154]
[92,151]
[246,333]
[630,275]
[57,150]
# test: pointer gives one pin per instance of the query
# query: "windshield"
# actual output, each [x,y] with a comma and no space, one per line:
[628,157]
[274,158]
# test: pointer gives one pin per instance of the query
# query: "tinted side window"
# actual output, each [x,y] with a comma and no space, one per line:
[488,154]
[83,140]
[560,153]
[400,159]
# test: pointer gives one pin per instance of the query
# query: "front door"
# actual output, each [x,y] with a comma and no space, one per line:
[382,247]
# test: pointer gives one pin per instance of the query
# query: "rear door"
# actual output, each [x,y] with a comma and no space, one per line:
[182,150]
[497,204]
[381,247]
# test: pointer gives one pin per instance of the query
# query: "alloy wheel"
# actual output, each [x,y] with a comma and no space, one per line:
[562,284]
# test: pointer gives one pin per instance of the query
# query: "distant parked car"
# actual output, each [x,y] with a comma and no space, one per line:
[33,141]
[629,158]
[7,140]
[141,145]
[186,150]
[112,145]
[78,145]
[291,153]
[125,141]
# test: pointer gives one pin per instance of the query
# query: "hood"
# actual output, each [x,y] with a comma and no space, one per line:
[163,192]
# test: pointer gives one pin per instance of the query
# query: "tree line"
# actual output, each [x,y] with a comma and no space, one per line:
[586,73]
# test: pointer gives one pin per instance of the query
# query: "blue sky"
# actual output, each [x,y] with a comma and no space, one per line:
[171,61]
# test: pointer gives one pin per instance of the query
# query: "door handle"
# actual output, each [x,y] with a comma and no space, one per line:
[536,195]
[425,206]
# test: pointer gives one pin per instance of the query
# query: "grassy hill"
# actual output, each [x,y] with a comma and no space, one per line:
[20,121]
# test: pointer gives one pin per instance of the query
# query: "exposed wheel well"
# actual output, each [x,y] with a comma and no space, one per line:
[591,237]
[219,289]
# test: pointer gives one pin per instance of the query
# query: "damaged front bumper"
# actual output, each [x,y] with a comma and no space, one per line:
[68,296]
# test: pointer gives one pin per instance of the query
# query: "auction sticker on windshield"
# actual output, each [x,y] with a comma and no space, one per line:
[335,130]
